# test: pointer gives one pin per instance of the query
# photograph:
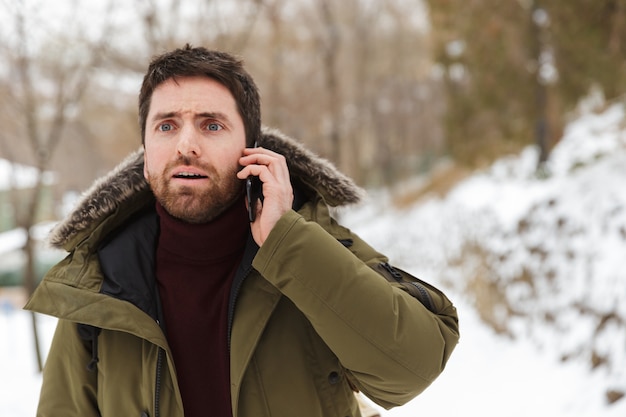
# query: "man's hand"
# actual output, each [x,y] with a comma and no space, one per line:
[271,168]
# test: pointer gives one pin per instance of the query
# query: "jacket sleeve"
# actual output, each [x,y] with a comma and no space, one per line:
[68,388]
[391,344]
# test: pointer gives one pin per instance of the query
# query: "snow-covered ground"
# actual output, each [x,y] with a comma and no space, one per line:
[568,230]
[19,379]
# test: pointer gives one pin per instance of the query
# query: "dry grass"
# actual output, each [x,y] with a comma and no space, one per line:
[439,183]
[488,295]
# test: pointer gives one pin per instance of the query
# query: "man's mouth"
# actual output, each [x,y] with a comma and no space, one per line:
[189,176]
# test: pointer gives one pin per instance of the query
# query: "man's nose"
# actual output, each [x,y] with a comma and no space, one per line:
[188,142]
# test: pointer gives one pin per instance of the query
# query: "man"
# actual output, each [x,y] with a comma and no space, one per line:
[171,302]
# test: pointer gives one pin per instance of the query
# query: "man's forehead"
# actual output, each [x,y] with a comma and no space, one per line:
[181,93]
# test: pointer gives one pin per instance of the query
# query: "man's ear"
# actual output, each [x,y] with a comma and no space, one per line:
[145,164]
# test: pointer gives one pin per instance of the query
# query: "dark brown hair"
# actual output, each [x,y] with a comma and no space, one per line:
[199,61]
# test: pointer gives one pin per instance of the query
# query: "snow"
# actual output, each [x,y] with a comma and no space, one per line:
[488,375]
[14,175]
[567,229]
[18,176]
[12,240]
[20,381]
[15,239]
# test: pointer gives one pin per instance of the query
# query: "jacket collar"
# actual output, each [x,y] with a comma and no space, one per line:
[125,184]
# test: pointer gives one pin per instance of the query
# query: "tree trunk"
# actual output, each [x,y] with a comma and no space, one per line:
[330,53]
[30,270]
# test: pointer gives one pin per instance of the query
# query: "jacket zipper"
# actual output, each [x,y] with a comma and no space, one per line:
[157,387]
[426,299]
[422,294]
[159,368]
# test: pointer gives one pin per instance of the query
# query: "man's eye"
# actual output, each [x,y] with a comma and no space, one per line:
[214,127]
[165,127]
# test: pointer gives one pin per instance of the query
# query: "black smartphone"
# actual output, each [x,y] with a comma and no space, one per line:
[254,192]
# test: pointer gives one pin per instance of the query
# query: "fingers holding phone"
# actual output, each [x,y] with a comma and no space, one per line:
[268,189]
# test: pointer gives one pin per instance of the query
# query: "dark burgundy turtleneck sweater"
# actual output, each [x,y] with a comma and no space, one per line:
[195,267]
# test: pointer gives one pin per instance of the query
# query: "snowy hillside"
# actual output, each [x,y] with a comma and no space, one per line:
[532,264]
[539,259]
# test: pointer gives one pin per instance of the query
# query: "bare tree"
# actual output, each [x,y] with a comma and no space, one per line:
[44,118]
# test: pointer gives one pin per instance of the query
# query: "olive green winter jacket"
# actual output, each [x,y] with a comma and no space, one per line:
[316,313]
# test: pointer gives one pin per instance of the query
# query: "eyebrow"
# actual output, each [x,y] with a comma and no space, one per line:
[207,115]
[215,115]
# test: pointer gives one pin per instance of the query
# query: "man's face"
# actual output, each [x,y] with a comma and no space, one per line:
[194,139]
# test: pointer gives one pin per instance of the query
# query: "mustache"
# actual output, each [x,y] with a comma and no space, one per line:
[185,160]
[191,162]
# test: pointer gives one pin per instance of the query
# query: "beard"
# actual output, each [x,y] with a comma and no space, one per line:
[194,204]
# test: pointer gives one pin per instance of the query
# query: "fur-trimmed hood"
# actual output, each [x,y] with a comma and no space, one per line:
[127,181]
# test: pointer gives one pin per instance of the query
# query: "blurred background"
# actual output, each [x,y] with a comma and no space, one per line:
[412,99]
